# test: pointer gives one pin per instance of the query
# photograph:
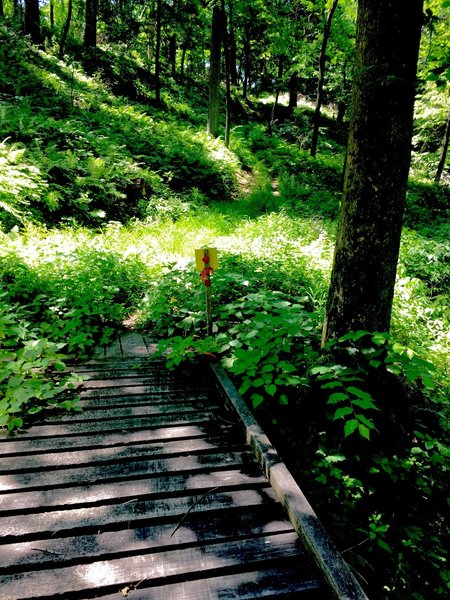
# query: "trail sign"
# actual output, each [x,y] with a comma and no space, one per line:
[206,262]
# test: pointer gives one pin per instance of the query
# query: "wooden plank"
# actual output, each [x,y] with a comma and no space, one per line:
[125,412]
[133,390]
[133,345]
[16,445]
[281,582]
[94,519]
[123,469]
[301,514]
[68,429]
[122,491]
[200,529]
[158,398]
[58,460]
[110,575]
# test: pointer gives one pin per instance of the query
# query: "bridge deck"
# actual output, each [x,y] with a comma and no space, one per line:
[152,492]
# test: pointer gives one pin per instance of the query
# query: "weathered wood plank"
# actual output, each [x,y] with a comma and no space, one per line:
[121,491]
[228,557]
[281,582]
[165,398]
[68,429]
[53,459]
[125,412]
[21,444]
[128,514]
[123,469]
[198,530]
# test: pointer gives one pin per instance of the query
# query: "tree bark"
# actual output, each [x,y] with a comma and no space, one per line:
[33,21]
[232,46]
[173,54]
[293,90]
[322,63]
[378,160]
[2,12]
[158,52]
[214,71]
[247,50]
[90,28]
[443,156]
[66,29]
[226,51]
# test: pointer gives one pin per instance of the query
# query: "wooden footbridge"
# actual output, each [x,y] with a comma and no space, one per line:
[163,488]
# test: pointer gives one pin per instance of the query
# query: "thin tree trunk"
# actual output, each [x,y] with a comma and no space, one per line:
[232,46]
[90,29]
[443,156]
[226,50]
[2,13]
[379,153]
[246,81]
[33,21]
[183,59]
[158,53]
[52,15]
[173,54]
[293,90]
[273,112]
[214,71]
[322,62]
[66,29]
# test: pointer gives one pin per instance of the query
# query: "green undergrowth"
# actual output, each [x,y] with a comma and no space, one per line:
[103,200]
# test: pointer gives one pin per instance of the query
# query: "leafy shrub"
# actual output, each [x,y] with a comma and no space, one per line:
[29,365]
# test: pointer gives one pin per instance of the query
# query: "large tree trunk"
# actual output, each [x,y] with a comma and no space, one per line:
[379,152]
[33,21]
[322,63]
[444,150]
[66,29]
[214,71]
[90,28]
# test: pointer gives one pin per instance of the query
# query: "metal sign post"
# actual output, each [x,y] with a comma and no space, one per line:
[206,262]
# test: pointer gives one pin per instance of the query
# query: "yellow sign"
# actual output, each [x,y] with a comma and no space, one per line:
[201,263]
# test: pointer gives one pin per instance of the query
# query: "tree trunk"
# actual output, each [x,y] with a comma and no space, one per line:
[272,119]
[379,153]
[322,62]
[183,59]
[52,15]
[226,51]
[158,53]
[90,28]
[293,90]
[246,81]
[33,21]
[173,54]
[214,72]
[444,150]
[66,29]
[2,12]
[232,46]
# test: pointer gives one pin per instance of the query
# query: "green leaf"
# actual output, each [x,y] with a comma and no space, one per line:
[350,427]
[337,397]
[364,431]
[283,400]
[359,393]
[342,412]
[271,389]
[257,399]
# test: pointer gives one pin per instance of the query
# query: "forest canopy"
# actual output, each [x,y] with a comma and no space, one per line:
[133,132]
